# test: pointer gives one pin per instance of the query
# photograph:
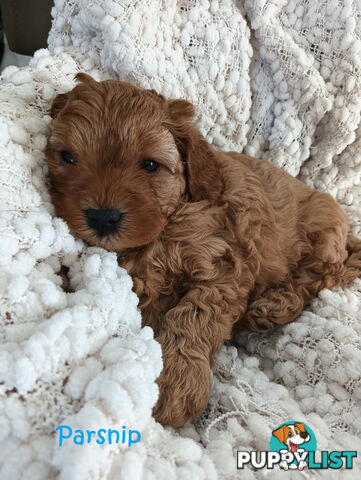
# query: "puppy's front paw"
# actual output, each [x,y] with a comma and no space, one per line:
[184,386]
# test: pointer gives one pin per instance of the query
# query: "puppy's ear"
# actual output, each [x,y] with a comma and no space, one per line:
[203,174]
[180,111]
[61,99]
[58,104]
[84,78]
[280,434]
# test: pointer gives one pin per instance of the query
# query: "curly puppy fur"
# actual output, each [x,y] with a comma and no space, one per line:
[215,242]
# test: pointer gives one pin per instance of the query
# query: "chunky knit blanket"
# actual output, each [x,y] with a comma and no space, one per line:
[276,79]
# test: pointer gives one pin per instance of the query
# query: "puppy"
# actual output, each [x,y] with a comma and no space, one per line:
[215,242]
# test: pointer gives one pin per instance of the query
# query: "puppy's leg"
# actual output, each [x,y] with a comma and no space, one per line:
[352,266]
[327,226]
[323,229]
[283,304]
[190,335]
[278,306]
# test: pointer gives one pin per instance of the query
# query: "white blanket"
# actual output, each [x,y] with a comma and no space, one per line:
[277,79]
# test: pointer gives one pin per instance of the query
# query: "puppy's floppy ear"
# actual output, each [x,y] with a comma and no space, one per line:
[203,174]
[58,104]
[281,434]
[180,111]
[84,78]
[61,99]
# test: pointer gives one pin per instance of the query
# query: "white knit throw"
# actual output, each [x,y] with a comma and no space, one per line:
[276,79]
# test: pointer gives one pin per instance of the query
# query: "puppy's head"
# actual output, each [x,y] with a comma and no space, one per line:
[117,157]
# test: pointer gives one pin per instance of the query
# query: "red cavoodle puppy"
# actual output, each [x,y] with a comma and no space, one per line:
[214,241]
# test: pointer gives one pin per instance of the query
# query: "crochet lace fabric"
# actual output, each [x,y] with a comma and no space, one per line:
[278,80]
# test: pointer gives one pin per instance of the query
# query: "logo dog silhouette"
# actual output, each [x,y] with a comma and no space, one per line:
[293,436]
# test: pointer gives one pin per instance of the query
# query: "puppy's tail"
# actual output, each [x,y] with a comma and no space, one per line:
[352,264]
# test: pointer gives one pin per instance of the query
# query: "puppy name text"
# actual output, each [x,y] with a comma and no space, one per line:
[101,436]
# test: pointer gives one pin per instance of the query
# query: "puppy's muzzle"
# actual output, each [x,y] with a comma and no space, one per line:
[104,221]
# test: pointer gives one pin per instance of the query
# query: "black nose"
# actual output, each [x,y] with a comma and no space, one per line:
[104,220]
[304,435]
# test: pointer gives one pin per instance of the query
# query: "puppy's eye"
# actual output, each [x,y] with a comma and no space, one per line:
[68,158]
[150,165]
[290,434]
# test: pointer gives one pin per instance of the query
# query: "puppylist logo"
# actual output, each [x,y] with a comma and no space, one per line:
[293,446]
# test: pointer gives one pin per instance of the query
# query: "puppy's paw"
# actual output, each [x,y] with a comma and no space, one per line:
[274,308]
[184,387]
[168,411]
